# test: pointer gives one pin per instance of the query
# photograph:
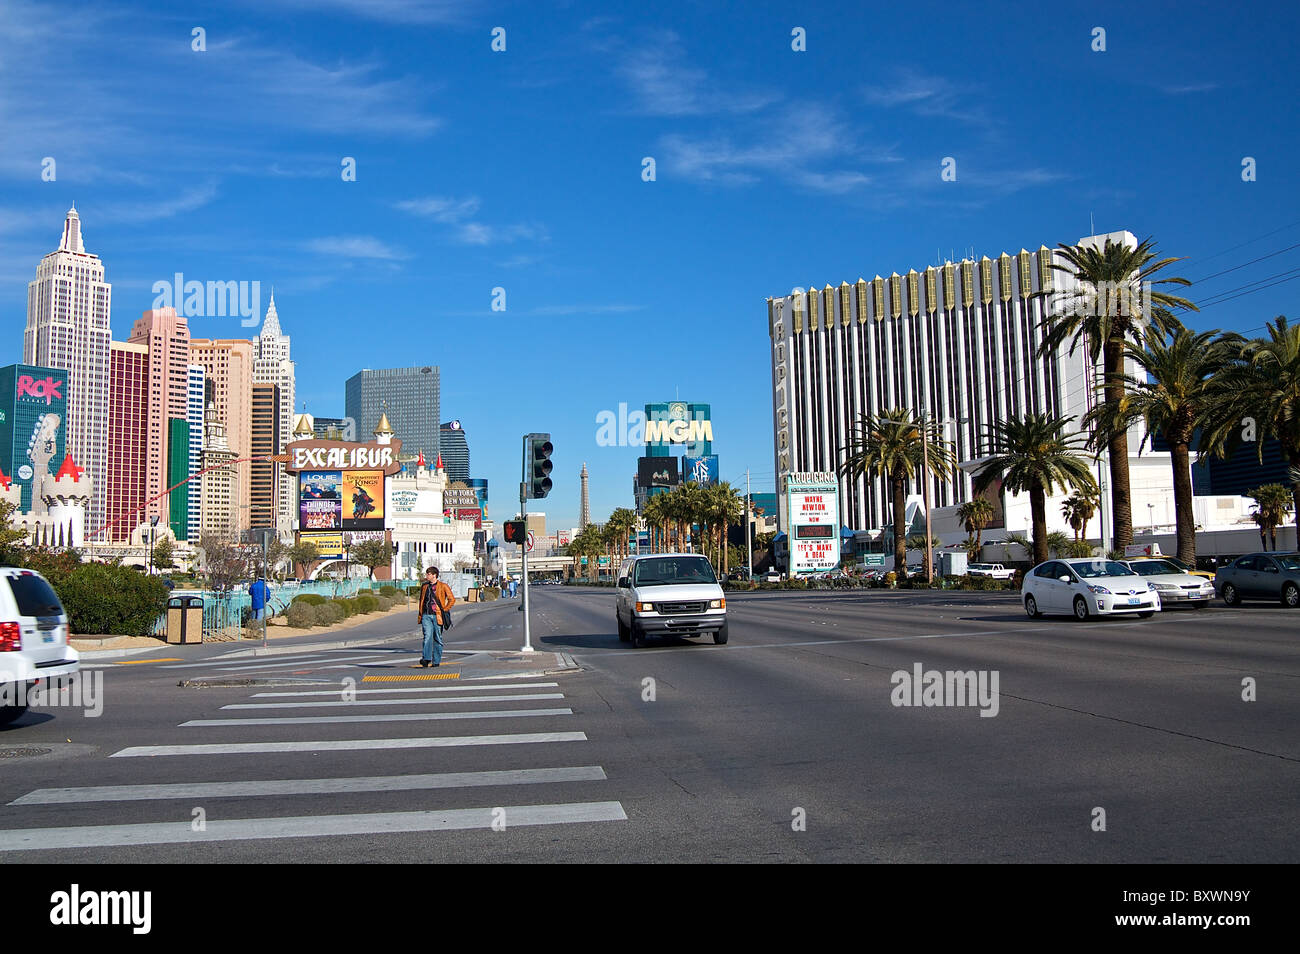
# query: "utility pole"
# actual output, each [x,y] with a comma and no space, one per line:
[749,543]
[925,496]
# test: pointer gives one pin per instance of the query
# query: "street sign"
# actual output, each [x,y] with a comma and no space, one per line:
[873,559]
[531,542]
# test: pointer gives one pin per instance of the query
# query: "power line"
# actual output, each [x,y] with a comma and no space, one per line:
[1244,264]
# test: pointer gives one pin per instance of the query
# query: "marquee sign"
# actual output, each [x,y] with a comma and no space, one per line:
[338,456]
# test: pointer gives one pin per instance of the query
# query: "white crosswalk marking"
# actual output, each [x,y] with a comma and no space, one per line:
[389,717]
[459,687]
[435,700]
[332,745]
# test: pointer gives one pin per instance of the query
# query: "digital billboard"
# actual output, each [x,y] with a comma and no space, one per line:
[363,499]
[320,503]
[470,513]
[702,470]
[33,418]
[814,515]
[656,472]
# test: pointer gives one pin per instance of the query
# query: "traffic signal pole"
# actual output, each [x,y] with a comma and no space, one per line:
[523,512]
[534,483]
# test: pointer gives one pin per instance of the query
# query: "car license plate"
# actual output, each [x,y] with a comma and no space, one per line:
[48,637]
[1134,601]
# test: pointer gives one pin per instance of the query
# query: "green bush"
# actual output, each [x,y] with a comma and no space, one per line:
[327,614]
[345,606]
[311,599]
[367,603]
[389,591]
[109,599]
[301,614]
[385,603]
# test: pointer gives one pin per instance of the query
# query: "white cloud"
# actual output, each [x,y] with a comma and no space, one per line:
[355,246]
[424,12]
[666,85]
[455,212]
[440,209]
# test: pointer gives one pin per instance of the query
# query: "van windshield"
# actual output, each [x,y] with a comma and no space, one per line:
[665,571]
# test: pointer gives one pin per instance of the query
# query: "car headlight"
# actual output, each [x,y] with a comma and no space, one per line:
[718,604]
[1099,589]
[645,607]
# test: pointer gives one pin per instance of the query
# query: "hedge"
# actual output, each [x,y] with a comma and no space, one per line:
[301,614]
[311,599]
[366,603]
[108,599]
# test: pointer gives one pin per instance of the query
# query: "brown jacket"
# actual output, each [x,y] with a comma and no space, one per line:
[443,599]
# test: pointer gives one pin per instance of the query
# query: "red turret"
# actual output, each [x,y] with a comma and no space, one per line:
[69,469]
[439,462]
[420,462]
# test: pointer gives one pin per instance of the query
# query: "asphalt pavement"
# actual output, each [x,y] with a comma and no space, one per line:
[1115,741]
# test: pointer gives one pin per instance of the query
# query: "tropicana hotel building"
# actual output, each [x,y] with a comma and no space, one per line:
[958,342]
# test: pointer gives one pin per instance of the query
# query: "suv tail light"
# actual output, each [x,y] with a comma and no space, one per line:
[11,639]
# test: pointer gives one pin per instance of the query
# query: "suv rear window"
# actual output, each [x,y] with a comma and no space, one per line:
[667,570]
[34,596]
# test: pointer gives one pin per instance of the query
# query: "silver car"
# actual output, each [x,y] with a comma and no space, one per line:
[1260,576]
[1175,586]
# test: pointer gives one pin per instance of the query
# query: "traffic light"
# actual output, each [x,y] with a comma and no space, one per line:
[516,531]
[537,465]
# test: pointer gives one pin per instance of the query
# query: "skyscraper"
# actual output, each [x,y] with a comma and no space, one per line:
[218,513]
[68,328]
[454,450]
[410,397]
[228,369]
[265,477]
[127,471]
[273,365]
[167,336]
[194,418]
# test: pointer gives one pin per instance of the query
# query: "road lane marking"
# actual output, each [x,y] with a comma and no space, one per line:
[463,687]
[440,700]
[307,826]
[391,717]
[310,786]
[335,745]
[141,662]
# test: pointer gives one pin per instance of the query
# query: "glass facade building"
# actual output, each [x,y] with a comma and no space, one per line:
[409,396]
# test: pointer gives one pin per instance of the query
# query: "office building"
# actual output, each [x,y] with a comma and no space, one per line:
[178,469]
[958,342]
[265,477]
[333,429]
[127,470]
[454,450]
[167,336]
[68,309]
[272,364]
[228,372]
[409,396]
[218,513]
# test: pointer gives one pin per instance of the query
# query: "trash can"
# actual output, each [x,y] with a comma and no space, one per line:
[471,595]
[185,619]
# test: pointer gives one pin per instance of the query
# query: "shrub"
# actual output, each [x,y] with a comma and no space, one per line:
[488,593]
[301,614]
[327,614]
[389,591]
[311,599]
[346,607]
[367,603]
[111,599]
[384,604]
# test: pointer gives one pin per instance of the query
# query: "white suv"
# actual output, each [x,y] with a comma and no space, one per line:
[669,593]
[33,638]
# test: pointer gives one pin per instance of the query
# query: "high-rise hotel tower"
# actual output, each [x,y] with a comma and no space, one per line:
[68,327]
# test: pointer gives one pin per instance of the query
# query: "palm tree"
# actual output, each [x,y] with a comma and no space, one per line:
[889,446]
[727,508]
[1032,453]
[1057,542]
[1272,501]
[1261,392]
[1077,510]
[1173,395]
[622,522]
[975,516]
[1106,310]
[657,519]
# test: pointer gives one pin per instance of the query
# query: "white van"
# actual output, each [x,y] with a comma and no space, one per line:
[33,639]
[669,593]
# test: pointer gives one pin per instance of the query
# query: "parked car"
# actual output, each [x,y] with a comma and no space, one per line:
[771,576]
[669,594]
[33,639]
[995,570]
[1087,587]
[1260,576]
[1191,570]
[1174,584]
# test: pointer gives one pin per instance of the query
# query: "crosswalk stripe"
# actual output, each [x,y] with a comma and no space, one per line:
[433,700]
[310,786]
[391,717]
[268,667]
[462,687]
[308,826]
[338,745]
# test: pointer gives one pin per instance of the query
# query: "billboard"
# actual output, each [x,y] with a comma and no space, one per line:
[469,513]
[702,470]
[814,515]
[328,545]
[656,472]
[363,499]
[33,432]
[320,503]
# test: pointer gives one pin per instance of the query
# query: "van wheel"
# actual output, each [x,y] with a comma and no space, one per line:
[1291,595]
[11,713]
[1080,608]
[638,637]
[623,634]
[1230,594]
[720,637]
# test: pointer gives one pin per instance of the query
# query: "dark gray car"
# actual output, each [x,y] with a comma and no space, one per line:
[1260,576]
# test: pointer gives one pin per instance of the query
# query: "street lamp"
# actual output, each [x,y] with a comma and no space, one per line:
[153,525]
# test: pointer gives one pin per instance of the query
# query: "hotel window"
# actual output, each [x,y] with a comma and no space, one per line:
[896,295]
[812,309]
[1004,276]
[1026,277]
[862,301]
[913,293]
[968,283]
[931,291]
[986,280]
[1045,269]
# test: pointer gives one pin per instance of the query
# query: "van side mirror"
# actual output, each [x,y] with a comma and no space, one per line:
[624,583]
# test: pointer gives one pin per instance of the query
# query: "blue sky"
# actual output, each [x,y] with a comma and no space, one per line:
[522,170]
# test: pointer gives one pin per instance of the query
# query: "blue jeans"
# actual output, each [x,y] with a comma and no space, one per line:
[432,638]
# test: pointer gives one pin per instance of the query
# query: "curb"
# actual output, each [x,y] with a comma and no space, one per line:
[92,654]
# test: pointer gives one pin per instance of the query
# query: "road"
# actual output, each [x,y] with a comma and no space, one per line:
[783,745]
